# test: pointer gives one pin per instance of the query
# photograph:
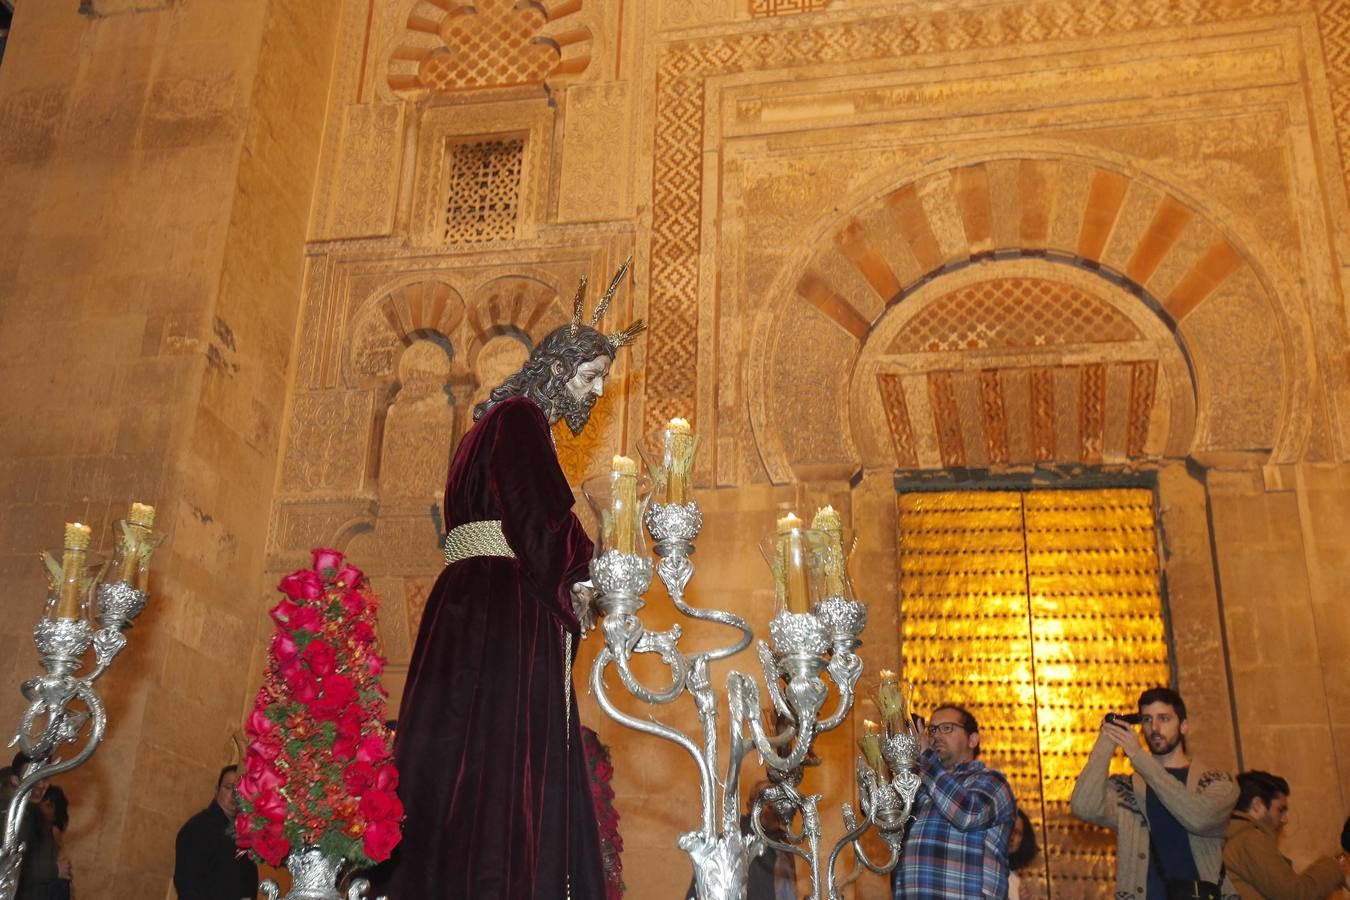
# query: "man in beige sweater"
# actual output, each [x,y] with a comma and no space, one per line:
[1169,816]
[1252,853]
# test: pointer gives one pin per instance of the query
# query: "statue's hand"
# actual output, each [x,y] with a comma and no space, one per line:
[584,596]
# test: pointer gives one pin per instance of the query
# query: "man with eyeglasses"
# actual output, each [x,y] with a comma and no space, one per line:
[958,844]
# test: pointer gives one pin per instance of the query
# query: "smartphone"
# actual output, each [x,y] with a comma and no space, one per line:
[1123,718]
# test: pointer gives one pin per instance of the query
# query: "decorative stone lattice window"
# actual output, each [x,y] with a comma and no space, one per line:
[482,190]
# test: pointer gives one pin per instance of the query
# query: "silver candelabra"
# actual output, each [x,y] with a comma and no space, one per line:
[63,637]
[803,646]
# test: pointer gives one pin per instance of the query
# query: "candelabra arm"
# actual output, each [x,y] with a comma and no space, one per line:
[716,616]
[850,837]
[662,643]
[50,695]
[748,692]
[656,729]
[769,663]
[674,527]
[844,669]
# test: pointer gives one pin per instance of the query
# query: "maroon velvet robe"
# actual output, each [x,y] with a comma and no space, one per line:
[491,772]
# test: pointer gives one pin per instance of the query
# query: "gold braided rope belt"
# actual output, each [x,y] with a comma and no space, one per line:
[472,539]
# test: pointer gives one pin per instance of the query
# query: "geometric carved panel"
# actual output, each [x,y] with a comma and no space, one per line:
[327,442]
[1009,313]
[482,190]
[452,46]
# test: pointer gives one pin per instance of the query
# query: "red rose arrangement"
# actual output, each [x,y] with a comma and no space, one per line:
[607,817]
[318,771]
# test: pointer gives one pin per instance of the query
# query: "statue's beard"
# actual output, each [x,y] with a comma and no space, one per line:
[576,413]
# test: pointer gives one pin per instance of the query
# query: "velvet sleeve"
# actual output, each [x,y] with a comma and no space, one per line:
[551,547]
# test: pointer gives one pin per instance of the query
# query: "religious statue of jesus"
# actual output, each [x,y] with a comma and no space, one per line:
[488,747]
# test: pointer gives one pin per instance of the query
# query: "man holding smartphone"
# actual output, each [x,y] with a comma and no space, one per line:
[957,847]
[1169,816]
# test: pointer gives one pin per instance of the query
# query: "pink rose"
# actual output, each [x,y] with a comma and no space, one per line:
[340,687]
[260,775]
[282,612]
[349,724]
[302,585]
[362,633]
[353,604]
[301,683]
[328,707]
[380,805]
[344,748]
[268,749]
[372,749]
[322,658]
[271,845]
[307,618]
[358,777]
[350,577]
[284,647]
[258,725]
[325,558]
[374,665]
[246,829]
[380,839]
[386,778]
[271,806]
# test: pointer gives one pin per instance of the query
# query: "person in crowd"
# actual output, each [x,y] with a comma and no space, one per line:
[1169,816]
[1022,850]
[207,866]
[963,815]
[1251,849]
[56,807]
[35,832]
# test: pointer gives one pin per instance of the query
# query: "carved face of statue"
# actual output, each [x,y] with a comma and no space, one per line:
[586,385]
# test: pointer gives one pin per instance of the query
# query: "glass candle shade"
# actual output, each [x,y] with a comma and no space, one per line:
[870,745]
[72,580]
[796,557]
[892,703]
[669,455]
[135,542]
[619,499]
[837,583]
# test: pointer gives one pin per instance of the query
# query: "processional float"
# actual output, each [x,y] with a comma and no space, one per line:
[814,633]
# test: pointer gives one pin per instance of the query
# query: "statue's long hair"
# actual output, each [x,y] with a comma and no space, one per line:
[537,380]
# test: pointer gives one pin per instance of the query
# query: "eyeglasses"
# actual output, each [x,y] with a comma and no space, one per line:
[944,728]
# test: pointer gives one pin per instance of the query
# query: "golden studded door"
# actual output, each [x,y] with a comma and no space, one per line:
[1039,611]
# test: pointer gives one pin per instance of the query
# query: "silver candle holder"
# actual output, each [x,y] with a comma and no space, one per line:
[64,635]
[805,648]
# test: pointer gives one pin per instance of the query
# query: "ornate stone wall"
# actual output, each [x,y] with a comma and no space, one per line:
[985,240]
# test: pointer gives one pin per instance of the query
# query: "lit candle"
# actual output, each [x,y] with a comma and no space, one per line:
[891,702]
[624,507]
[792,550]
[870,745]
[139,522]
[679,453]
[828,521]
[72,570]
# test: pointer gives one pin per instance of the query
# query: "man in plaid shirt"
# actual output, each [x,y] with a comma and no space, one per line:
[963,815]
